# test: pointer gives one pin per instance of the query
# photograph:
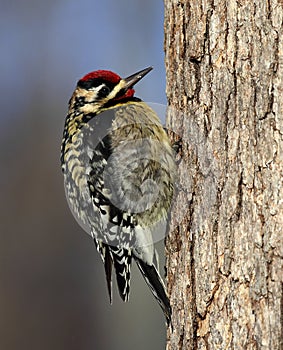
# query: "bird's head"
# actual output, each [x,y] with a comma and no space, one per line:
[101,89]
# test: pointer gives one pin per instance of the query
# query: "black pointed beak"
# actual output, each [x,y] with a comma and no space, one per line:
[134,78]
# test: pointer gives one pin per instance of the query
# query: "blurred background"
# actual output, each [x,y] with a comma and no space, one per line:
[52,286]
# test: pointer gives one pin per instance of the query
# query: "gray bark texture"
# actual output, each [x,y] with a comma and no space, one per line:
[224,66]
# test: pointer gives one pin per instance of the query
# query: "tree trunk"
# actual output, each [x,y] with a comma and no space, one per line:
[225,247]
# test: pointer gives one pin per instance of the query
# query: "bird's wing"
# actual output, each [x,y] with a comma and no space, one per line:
[112,228]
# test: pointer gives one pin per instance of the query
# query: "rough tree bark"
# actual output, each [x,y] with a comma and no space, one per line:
[224,62]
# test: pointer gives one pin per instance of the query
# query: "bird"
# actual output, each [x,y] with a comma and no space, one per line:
[119,172]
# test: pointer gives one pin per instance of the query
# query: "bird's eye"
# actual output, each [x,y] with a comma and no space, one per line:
[104,91]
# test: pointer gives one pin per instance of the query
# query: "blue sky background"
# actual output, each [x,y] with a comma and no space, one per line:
[52,291]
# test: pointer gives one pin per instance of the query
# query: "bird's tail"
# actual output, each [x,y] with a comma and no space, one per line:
[122,262]
[156,285]
[121,258]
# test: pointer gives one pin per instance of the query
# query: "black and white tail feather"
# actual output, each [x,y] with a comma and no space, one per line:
[121,258]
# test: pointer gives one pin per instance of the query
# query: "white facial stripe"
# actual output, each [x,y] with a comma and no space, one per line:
[116,89]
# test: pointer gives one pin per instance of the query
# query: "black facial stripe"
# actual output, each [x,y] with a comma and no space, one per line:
[125,100]
[104,91]
[88,84]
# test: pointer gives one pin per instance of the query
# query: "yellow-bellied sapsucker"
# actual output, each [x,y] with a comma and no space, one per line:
[119,171]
